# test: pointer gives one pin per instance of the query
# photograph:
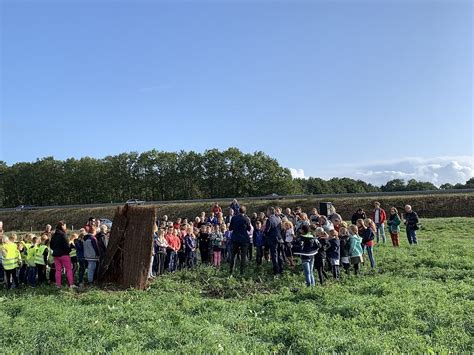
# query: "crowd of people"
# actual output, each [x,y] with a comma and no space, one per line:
[324,244]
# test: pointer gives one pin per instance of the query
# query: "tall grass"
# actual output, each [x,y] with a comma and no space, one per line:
[419,299]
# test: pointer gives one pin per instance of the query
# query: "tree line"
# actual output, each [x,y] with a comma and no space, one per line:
[157,175]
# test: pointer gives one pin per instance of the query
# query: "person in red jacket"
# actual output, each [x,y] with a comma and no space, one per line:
[174,244]
[379,217]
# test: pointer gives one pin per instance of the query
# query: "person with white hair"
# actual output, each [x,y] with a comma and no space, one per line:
[411,223]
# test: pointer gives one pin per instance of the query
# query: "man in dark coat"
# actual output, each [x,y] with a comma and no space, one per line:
[240,226]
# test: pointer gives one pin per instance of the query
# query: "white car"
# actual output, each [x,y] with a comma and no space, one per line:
[134,201]
[107,222]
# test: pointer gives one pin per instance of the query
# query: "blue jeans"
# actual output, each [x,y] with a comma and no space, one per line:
[370,253]
[172,260]
[411,236]
[31,272]
[380,231]
[308,266]
[91,266]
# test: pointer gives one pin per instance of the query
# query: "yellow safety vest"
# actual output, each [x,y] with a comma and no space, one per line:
[39,258]
[11,257]
[73,252]
[31,255]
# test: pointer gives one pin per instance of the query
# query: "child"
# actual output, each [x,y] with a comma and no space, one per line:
[203,241]
[394,226]
[259,242]
[228,242]
[30,260]
[344,248]
[320,258]
[79,247]
[309,247]
[190,247]
[289,238]
[11,260]
[355,248]
[174,244]
[73,252]
[91,253]
[41,258]
[217,238]
[334,252]
[224,242]
[162,245]
[367,234]
[182,251]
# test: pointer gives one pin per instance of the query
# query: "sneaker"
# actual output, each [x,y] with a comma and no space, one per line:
[72,287]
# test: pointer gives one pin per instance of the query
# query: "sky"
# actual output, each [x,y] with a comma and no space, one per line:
[373,90]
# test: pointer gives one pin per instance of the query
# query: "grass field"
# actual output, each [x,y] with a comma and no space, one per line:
[420,299]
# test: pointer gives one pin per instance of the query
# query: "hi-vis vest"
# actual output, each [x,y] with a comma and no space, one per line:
[73,252]
[11,256]
[31,255]
[50,256]
[39,258]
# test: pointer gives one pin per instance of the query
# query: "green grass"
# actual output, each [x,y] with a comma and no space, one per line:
[420,299]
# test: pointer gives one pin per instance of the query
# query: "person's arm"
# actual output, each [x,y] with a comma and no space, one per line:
[45,256]
[231,227]
[267,226]
[178,244]
[95,246]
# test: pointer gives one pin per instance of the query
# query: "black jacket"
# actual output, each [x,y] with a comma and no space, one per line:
[344,246]
[273,230]
[357,216]
[240,226]
[60,243]
[412,220]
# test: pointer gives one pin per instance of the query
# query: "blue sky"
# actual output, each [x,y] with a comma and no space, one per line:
[368,89]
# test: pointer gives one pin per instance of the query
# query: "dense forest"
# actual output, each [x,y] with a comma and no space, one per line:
[156,175]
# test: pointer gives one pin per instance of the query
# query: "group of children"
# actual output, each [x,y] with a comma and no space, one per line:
[26,260]
[322,243]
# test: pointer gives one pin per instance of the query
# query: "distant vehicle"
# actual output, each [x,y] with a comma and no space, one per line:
[107,222]
[274,195]
[24,208]
[134,201]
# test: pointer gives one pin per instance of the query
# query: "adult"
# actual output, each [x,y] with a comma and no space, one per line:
[273,232]
[379,217]
[102,241]
[90,223]
[411,223]
[235,207]
[333,215]
[359,214]
[60,246]
[91,254]
[240,226]
[230,215]
[325,224]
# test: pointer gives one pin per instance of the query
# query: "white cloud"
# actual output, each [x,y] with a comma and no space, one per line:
[297,173]
[438,170]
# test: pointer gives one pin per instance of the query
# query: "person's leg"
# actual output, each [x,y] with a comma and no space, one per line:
[32,276]
[409,236]
[82,270]
[91,266]
[311,271]
[370,252]
[382,231]
[259,255]
[377,233]
[58,267]
[8,276]
[397,239]
[347,268]
[356,269]
[307,272]
[320,274]
[413,236]
[243,257]
[234,252]
[219,257]
[66,261]
[274,258]
[280,257]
